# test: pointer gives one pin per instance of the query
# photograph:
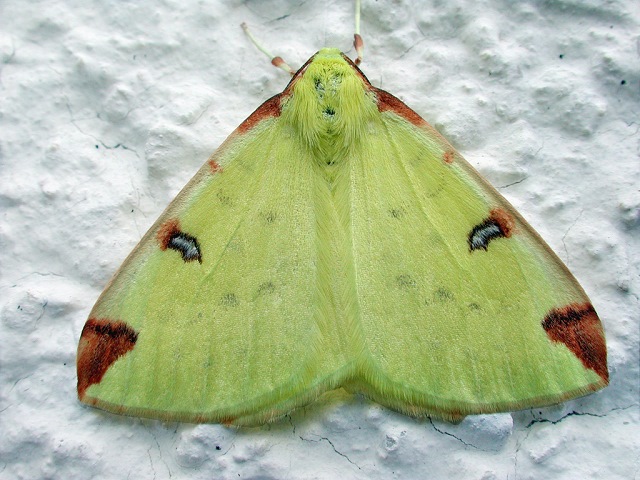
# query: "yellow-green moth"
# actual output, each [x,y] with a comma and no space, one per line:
[335,239]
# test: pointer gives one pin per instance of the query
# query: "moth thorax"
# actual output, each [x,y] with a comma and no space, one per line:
[331,109]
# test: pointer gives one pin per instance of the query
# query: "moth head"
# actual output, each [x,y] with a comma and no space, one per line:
[329,103]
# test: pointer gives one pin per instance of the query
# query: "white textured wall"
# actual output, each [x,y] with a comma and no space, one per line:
[108,108]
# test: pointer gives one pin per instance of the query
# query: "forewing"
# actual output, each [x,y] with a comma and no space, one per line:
[463,307]
[214,316]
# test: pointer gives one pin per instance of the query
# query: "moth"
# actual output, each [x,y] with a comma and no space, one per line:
[335,239]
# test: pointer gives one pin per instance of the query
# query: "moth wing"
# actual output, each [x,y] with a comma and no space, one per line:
[215,316]
[464,309]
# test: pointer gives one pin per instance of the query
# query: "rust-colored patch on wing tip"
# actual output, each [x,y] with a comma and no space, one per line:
[448,156]
[102,342]
[579,328]
[386,101]
[270,108]
[167,231]
[215,166]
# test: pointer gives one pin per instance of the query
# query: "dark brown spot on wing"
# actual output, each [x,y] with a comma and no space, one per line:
[171,236]
[499,224]
[215,166]
[102,342]
[448,156]
[166,231]
[579,328]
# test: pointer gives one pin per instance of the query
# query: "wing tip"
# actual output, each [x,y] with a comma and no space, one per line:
[102,342]
[578,327]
